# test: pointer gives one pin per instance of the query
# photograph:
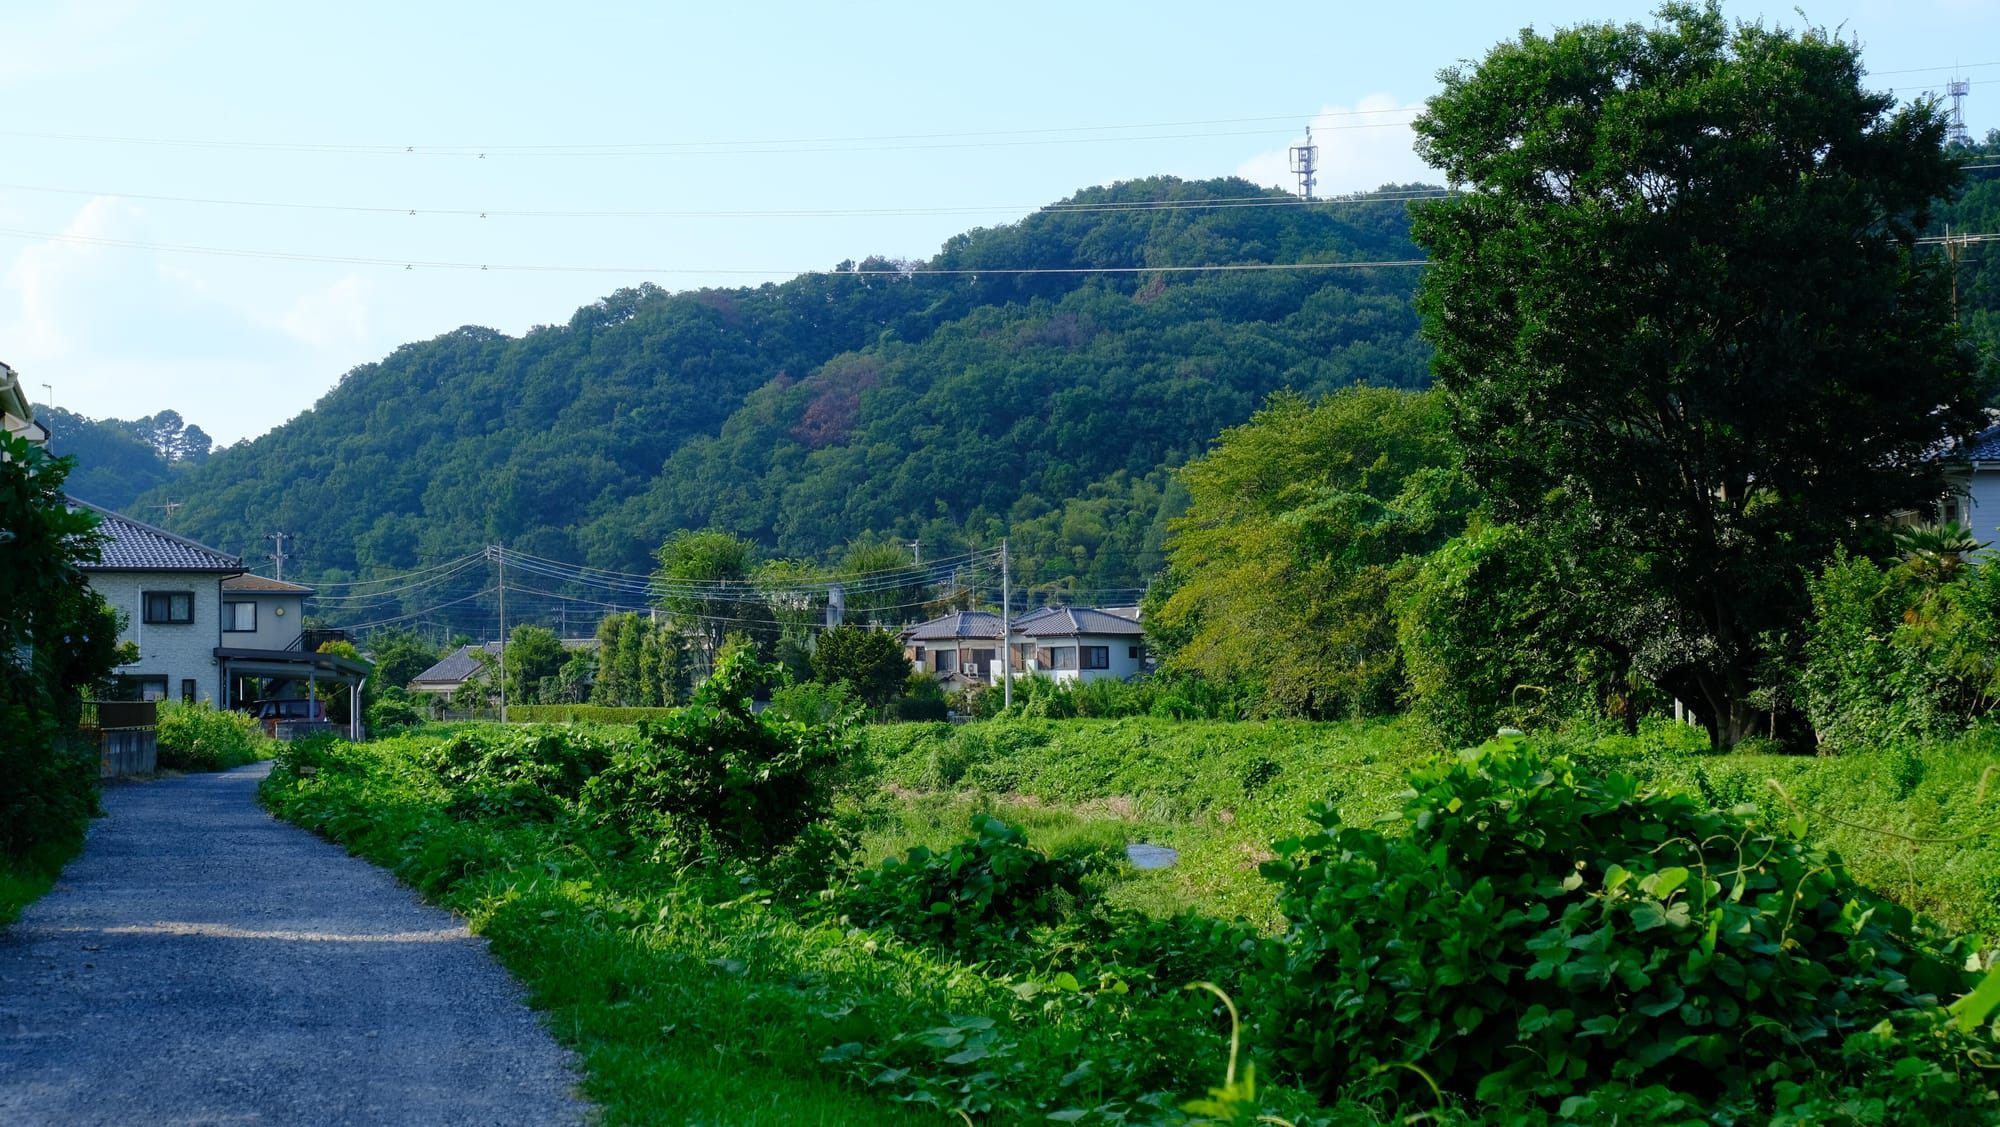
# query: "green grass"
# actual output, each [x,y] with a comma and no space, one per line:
[1222,792]
[26,879]
[693,997]
[697,997]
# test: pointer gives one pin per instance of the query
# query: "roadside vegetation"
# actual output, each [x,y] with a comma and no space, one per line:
[199,737]
[942,919]
[58,639]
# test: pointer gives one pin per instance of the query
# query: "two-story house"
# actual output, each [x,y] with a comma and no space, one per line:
[169,590]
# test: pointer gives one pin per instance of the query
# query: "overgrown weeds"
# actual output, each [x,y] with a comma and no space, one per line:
[1012,975]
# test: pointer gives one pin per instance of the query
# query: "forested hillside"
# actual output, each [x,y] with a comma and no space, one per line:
[892,399]
[951,407]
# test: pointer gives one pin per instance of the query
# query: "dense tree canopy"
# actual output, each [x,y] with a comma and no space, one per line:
[1678,313]
[1303,523]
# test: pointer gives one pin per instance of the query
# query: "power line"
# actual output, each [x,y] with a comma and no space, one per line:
[755,146]
[412,264]
[1225,204]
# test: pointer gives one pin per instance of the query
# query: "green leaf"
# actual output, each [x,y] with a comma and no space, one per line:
[1661,885]
[1970,1011]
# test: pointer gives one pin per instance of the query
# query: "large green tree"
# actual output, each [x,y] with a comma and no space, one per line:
[871,661]
[1304,522]
[57,637]
[705,583]
[1679,314]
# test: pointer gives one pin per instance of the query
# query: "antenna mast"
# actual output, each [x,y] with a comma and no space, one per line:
[1955,133]
[1305,164]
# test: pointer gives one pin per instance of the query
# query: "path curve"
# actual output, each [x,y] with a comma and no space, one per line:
[201,962]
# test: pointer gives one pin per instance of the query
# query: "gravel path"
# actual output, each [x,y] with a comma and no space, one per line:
[201,962]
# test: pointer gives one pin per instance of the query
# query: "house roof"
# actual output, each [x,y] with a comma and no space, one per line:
[1043,622]
[263,586]
[456,666]
[131,545]
[1982,447]
[956,625]
[460,664]
[1068,621]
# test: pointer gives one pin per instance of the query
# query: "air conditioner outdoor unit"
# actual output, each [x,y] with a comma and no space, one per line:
[969,670]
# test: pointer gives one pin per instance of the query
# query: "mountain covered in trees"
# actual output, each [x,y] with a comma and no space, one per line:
[950,401]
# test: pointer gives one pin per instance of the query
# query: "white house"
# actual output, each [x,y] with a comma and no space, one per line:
[960,647]
[1078,644]
[169,589]
[1978,508]
[1064,643]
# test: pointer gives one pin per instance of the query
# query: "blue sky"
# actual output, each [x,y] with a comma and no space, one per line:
[830,132]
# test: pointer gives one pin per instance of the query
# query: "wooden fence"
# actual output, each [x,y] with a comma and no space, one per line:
[126,735]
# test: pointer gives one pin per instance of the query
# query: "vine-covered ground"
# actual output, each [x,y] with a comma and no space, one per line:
[1016,969]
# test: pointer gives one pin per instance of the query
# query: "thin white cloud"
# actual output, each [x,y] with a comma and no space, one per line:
[1361,147]
[332,315]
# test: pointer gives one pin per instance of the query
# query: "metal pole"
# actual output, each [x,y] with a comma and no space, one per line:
[500,553]
[1006,629]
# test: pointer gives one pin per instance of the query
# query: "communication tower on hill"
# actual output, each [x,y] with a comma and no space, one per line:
[1305,163]
[1955,134]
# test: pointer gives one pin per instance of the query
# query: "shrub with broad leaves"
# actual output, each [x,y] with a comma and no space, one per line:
[718,776]
[1535,937]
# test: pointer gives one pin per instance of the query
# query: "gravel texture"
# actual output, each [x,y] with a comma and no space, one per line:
[201,962]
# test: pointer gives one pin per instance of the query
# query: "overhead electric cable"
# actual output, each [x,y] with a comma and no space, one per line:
[755,146]
[412,263]
[399,576]
[1225,204]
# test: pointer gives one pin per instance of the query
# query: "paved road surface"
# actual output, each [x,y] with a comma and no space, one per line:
[203,963]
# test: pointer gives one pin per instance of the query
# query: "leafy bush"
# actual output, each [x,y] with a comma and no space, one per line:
[520,774]
[197,737]
[48,789]
[989,888]
[1534,934]
[1899,651]
[717,775]
[394,708]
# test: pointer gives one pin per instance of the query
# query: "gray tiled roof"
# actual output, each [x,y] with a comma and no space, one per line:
[1043,622]
[957,624]
[456,666]
[1983,447]
[1067,621]
[130,545]
[460,664]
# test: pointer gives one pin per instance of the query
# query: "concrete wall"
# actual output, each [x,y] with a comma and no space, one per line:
[274,631]
[179,651]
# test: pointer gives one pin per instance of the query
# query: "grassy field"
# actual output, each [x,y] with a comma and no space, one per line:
[711,995]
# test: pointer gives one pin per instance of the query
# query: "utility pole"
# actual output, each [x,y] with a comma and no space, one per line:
[500,553]
[279,556]
[917,551]
[1006,630]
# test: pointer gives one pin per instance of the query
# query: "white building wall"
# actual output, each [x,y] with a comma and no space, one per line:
[1122,649]
[1982,507]
[177,651]
[274,631]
